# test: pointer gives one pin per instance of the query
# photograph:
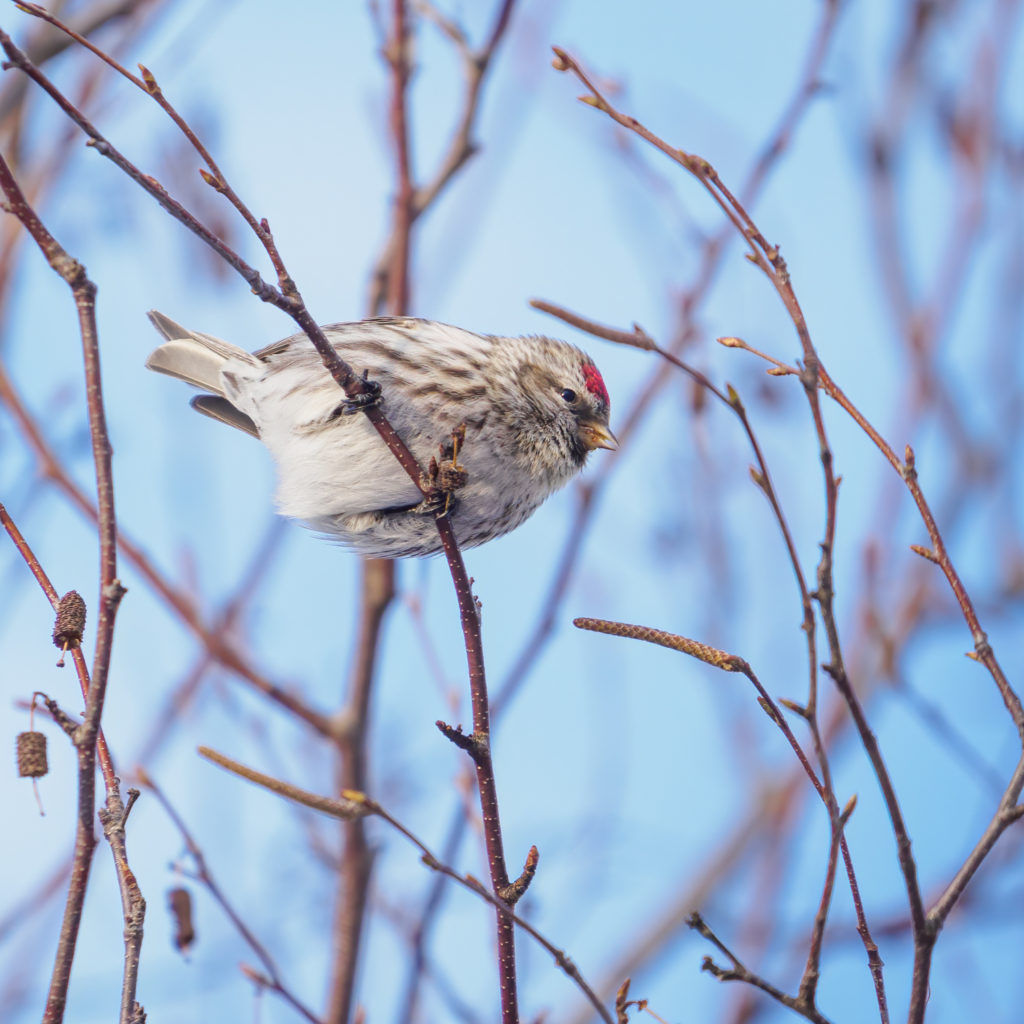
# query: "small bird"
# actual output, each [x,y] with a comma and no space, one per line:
[524,413]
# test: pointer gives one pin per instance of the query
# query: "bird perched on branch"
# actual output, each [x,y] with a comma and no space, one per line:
[514,419]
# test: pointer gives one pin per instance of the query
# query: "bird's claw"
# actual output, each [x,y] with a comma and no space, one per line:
[366,399]
[442,479]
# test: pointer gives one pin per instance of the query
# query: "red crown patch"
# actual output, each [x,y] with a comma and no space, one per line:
[595,383]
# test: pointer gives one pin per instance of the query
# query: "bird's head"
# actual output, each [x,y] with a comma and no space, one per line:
[568,401]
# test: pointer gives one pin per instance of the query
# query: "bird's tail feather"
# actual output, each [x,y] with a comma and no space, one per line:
[192,357]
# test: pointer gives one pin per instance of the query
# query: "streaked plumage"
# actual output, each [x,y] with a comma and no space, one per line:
[533,408]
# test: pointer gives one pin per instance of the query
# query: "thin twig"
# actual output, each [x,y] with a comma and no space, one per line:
[206,878]
[739,972]
[87,736]
[639,338]
[287,299]
[461,147]
[353,804]
[768,258]
[216,644]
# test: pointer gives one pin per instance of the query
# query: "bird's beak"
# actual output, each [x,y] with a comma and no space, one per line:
[597,435]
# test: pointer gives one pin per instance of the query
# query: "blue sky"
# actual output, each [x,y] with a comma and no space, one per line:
[628,766]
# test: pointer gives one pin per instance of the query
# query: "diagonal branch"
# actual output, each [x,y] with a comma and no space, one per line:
[352,804]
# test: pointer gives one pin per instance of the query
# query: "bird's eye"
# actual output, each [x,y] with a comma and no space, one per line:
[569,395]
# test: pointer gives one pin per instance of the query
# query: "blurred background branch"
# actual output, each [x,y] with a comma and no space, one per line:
[438,166]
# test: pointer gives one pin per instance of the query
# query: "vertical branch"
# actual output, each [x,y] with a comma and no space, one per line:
[378,576]
[349,728]
[87,736]
[478,745]
[812,376]
[377,586]
[356,865]
[399,297]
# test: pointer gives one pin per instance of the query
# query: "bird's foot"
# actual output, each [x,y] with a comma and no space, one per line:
[366,399]
[442,479]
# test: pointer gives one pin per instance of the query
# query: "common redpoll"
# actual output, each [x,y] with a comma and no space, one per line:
[533,409]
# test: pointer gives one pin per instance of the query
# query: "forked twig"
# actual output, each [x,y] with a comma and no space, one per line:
[87,737]
[814,378]
[351,804]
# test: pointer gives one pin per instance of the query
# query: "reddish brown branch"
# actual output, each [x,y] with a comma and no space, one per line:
[212,638]
[81,668]
[939,553]
[351,738]
[740,972]
[770,261]
[352,804]
[393,280]
[287,300]
[206,878]
[813,376]
[805,1001]
[87,737]
[461,148]
[398,56]
[480,751]
[638,338]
